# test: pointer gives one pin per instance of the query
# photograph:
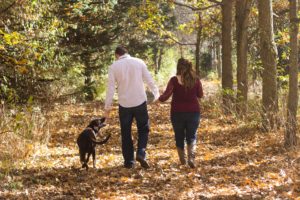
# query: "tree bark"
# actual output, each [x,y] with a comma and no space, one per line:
[268,53]
[160,56]
[155,59]
[219,60]
[88,71]
[198,46]
[227,77]
[291,124]
[242,22]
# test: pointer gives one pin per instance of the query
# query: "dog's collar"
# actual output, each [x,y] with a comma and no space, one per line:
[92,130]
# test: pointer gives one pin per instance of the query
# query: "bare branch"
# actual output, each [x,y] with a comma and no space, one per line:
[216,2]
[195,8]
[180,43]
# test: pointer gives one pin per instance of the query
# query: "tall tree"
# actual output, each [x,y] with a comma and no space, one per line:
[198,43]
[291,126]
[242,21]
[268,54]
[227,77]
[219,60]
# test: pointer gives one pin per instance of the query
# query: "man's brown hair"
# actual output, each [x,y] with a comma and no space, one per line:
[121,50]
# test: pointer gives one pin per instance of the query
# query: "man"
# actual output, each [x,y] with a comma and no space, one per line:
[129,74]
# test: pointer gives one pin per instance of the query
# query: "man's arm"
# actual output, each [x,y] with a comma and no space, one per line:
[110,91]
[150,82]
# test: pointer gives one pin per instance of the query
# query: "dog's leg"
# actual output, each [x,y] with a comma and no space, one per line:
[82,158]
[94,158]
[87,160]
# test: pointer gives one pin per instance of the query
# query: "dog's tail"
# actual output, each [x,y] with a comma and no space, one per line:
[102,142]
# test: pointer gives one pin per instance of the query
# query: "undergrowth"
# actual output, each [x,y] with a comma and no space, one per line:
[21,130]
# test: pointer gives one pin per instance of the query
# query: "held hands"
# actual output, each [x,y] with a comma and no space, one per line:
[106,115]
[156,102]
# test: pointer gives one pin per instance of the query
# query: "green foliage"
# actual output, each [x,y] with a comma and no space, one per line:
[29,51]
[206,62]
[168,67]
[212,76]
[228,92]
[51,49]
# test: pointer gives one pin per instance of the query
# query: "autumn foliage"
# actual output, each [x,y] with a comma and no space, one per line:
[235,160]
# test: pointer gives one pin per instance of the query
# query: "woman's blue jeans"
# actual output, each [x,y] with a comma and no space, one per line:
[126,115]
[185,125]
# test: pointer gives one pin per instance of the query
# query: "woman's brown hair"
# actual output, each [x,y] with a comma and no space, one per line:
[185,70]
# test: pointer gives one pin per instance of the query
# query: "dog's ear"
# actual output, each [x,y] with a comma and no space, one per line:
[102,120]
[93,123]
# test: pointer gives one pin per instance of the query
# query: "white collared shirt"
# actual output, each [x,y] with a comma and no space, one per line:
[129,74]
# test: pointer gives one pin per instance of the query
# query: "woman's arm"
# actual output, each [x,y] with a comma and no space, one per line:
[200,89]
[168,92]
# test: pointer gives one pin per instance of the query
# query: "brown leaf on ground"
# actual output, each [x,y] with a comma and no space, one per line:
[234,161]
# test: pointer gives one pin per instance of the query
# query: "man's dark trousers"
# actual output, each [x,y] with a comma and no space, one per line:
[126,115]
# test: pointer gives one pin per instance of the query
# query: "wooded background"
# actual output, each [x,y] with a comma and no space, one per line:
[54,50]
[58,52]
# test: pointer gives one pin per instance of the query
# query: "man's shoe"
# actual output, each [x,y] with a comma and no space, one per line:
[143,162]
[129,166]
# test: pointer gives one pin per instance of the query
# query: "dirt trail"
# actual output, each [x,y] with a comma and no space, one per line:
[235,161]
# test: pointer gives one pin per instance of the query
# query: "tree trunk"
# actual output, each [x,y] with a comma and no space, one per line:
[291,126]
[268,53]
[159,60]
[219,60]
[227,77]
[242,22]
[88,88]
[198,46]
[155,59]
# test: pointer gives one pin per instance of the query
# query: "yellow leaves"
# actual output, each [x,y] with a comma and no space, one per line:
[255,183]
[229,163]
[272,175]
[260,184]
[254,11]
[13,38]
[38,56]
[22,62]
[55,23]
[29,148]
[78,5]
[208,156]
[22,69]
[181,27]
[283,37]
[148,17]
[2,48]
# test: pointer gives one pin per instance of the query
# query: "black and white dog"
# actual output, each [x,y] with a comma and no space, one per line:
[87,141]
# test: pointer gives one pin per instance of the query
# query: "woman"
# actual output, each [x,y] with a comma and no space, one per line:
[185,89]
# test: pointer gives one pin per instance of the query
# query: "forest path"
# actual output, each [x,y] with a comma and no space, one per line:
[234,161]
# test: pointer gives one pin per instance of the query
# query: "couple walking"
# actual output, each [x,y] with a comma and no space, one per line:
[129,75]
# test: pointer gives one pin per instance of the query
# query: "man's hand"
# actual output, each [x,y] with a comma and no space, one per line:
[156,102]
[106,115]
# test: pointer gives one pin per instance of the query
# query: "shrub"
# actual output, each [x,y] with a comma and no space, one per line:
[21,129]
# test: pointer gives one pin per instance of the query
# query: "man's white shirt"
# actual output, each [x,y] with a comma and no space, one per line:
[129,75]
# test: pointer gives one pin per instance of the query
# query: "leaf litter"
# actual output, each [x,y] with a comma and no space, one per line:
[234,161]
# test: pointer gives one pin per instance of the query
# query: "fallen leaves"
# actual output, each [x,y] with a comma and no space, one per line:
[234,161]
